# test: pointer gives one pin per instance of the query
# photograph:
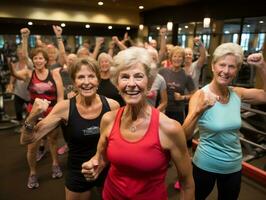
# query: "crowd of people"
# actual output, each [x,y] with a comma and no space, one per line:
[127,112]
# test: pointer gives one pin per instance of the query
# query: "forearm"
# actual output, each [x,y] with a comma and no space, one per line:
[62,52]
[262,72]
[189,124]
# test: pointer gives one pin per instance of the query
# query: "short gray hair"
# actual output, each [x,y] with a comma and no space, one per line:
[130,57]
[229,49]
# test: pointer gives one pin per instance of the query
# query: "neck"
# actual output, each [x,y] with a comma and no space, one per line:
[221,91]
[187,64]
[105,75]
[87,101]
[136,111]
[176,68]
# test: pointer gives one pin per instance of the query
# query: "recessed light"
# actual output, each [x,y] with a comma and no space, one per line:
[110,27]
[100,3]
[141,7]
[261,22]
[186,26]
[63,25]
[226,32]
[158,27]
[30,23]
[128,28]
[248,25]
[141,26]
[87,26]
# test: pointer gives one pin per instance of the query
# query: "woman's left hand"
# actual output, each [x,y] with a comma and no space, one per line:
[257,60]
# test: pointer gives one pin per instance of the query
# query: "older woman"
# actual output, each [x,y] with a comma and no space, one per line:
[80,118]
[138,140]
[216,110]
[106,87]
[42,83]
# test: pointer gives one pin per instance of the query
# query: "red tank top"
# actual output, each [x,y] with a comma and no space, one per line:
[138,169]
[43,89]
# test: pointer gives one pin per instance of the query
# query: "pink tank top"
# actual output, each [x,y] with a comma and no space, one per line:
[138,169]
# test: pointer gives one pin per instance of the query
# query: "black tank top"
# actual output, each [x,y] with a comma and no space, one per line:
[81,134]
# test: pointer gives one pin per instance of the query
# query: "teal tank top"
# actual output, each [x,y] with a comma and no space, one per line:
[219,149]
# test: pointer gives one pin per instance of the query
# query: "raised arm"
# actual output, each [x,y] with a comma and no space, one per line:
[25,33]
[202,57]
[21,74]
[98,42]
[62,53]
[198,103]
[162,50]
[254,95]
[172,138]
[33,131]
[119,43]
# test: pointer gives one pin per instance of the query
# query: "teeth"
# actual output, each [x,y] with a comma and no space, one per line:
[132,92]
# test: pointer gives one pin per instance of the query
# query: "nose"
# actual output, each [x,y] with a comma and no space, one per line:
[131,81]
[86,79]
[226,69]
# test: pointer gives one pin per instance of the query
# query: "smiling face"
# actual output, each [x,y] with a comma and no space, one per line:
[104,64]
[188,55]
[86,81]
[39,61]
[225,69]
[132,84]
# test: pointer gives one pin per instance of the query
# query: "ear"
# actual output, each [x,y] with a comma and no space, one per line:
[212,67]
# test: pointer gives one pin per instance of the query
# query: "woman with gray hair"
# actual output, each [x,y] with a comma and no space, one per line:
[216,110]
[137,139]
[106,87]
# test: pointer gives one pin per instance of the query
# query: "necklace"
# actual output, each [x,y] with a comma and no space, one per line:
[133,127]
[223,99]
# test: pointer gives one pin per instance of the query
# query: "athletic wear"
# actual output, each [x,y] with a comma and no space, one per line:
[138,169]
[219,150]
[82,137]
[43,89]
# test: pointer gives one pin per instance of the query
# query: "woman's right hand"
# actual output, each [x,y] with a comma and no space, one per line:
[39,106]
[205,100]
[92,168]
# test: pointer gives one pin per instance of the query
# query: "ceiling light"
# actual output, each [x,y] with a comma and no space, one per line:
[158,27]
[261,22]
[179,29]
[87,26]
[186,26]
[206,22]
[128,28]
[63,25]
[141,26]
[248,25]
[141,7]
[30,23]
[169,26]
[110,27]
[100,3]
[226,32]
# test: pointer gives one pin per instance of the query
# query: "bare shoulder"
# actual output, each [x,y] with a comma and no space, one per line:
[107,122]
[114,105]
[171,133]
[169,126]
[61,109]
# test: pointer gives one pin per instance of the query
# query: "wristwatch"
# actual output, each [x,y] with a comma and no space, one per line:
[28,126]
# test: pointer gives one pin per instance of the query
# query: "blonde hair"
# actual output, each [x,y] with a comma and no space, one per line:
[177,50]
[229,49]
[105,55]
[130,57]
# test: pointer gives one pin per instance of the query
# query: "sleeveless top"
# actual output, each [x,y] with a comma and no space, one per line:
[138,168]
[82,134]
[43,89]
[219,150]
